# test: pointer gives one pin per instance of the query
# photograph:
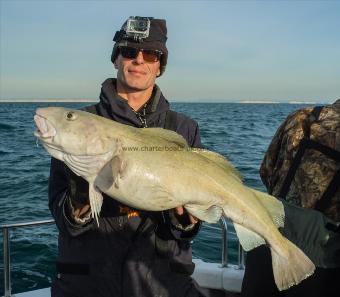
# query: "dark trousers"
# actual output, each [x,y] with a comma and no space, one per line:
[259,280]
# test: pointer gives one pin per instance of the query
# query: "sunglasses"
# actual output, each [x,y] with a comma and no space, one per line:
[149,55]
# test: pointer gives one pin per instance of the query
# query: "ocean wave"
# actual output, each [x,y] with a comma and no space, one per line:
[6,127]
[5,152]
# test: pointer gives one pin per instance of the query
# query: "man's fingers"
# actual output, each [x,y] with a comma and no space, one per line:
[193,219]
[179,210]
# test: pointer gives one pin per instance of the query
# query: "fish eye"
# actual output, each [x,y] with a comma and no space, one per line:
[71,116]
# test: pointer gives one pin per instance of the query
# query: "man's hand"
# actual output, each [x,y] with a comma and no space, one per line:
[182,213]
[181,219]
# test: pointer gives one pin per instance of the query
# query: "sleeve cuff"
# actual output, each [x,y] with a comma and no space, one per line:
[180,230]
[68,211]
[181,226]
[186,235]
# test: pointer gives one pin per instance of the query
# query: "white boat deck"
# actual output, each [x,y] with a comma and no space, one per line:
[37,293]
[213,276]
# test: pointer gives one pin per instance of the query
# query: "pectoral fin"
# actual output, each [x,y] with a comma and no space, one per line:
[86,166]
[118,166]
[111,173]
[96,201]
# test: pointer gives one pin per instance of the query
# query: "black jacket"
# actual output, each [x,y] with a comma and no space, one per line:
[139,256]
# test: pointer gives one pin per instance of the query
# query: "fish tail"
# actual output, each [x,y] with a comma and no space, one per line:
[290,264]
[291,268]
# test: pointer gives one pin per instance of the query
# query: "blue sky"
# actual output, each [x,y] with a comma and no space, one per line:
[218,50]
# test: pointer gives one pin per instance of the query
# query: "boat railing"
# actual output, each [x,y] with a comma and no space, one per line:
[6,249]
[241,253]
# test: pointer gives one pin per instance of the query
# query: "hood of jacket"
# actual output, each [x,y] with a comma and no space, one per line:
[115,107]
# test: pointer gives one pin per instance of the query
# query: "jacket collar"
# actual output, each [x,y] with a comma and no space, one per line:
[120,110]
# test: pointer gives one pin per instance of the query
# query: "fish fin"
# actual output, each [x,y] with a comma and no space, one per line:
[210,215]
[291,269]
[273,205]
[220,161]
[96,201]
[86,166]
[167,135]
[111,173]
[248,239]
[117,166]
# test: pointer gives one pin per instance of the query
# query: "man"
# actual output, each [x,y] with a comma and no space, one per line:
[131,252]
[302,167]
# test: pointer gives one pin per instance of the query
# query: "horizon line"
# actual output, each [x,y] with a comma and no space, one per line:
[73,100]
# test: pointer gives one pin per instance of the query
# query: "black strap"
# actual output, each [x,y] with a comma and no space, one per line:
[300,152]
[326,150]
[315,114]
[307,143]
[292,169]
[326,198]
[171,120]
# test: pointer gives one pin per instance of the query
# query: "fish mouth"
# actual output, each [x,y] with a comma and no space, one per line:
[44,129]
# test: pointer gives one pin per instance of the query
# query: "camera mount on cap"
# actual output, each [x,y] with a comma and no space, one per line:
[136,29]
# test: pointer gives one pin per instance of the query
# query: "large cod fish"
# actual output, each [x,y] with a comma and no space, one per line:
[154,169]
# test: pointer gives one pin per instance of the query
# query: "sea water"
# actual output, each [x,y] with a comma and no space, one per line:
[240,132]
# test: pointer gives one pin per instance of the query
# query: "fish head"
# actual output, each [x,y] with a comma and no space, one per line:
[73,132]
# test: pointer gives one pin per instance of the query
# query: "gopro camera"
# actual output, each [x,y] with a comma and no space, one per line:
[138,27]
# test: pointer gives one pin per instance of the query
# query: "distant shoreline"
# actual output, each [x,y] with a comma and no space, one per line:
[174,101]
[47,100]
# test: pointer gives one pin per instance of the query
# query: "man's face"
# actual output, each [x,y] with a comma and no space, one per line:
[136,74]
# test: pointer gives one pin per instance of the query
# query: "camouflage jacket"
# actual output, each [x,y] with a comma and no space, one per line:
[316,170]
